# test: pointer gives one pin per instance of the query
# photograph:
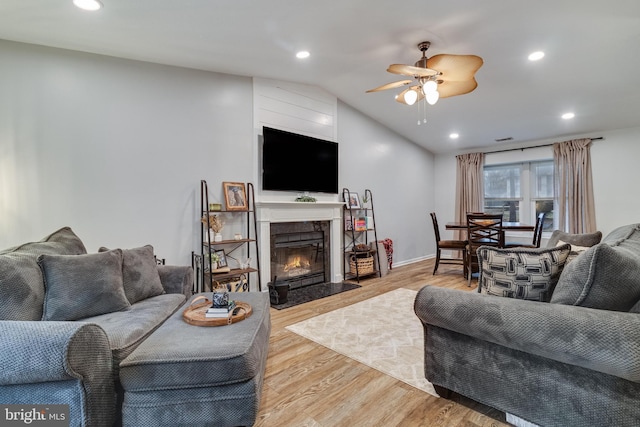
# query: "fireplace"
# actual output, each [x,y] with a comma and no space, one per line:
[298,254]
[277,213]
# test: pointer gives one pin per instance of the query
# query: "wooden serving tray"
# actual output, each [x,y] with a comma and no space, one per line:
[195,313]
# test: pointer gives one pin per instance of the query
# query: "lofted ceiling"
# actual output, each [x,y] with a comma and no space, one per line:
[590,67]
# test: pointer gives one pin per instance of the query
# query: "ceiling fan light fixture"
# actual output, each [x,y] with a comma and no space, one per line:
[429,86]
[410,97]
[439,76]
[432,97]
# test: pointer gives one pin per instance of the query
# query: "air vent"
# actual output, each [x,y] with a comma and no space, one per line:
[509,138]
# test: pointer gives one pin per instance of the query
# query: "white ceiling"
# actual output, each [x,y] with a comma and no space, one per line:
[590,68]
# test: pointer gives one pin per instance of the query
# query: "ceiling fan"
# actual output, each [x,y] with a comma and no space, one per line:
[440,76]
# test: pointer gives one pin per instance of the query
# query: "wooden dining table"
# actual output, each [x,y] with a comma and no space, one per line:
[513,226]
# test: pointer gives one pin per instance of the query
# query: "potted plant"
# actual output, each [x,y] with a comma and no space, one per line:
[215,224]
[365,200]
[214,260]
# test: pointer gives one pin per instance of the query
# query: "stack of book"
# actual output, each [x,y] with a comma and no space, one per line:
[221,311]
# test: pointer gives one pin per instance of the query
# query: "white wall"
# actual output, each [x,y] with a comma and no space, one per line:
[615,172]
[400,176]
[615,176]
[116,149]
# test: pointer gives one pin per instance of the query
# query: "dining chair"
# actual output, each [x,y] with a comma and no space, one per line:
[453,245]
[537,235]
[482,230]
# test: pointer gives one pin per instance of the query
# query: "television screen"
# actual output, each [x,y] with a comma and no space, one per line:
[292,162]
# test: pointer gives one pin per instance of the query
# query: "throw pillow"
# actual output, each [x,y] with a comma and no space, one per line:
[79,286]
[581,239]
[606,276]
[140,276]
[575,250]
[21,283]
[523,273]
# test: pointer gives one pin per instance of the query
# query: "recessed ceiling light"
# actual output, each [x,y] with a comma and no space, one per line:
[536,56]
[453,135]
[88,4]
[568,116]
[302,54]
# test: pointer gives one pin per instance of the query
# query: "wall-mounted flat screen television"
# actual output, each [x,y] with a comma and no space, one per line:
[293,162]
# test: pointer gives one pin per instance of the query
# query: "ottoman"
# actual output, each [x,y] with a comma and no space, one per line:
[184,375]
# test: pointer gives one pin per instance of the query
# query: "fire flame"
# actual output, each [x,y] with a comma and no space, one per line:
[296,262]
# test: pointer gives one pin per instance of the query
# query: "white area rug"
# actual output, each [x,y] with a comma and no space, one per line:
[382,332]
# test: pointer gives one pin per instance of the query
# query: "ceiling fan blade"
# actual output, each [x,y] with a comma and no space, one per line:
[455,67]
[453,88]
[410,70]
[391,85]
[400,97]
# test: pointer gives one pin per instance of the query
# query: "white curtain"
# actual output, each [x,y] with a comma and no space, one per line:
[574,186]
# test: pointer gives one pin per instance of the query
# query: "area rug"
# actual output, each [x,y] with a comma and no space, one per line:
[313,292]
[382,332]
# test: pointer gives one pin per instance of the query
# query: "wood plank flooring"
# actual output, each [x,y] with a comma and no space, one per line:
[307,384]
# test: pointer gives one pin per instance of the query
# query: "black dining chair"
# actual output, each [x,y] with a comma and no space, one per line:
[537,235]
[453,245]
[482,230]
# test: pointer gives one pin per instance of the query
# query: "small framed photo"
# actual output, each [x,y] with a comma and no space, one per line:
[222,258]
[354,201]
[235,196]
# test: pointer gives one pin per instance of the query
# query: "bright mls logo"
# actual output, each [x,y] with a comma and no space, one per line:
[34,415]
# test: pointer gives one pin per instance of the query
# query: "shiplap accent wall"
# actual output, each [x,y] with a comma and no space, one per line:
[292,107]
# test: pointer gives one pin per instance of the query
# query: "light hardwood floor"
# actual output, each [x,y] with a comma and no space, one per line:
[307,384]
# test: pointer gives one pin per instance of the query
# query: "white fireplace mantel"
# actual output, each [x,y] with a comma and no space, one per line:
[269,212]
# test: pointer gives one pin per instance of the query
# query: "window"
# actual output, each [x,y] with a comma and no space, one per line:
[520,191]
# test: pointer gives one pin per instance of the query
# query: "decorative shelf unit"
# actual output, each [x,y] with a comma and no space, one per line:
[361,253]
[205,273]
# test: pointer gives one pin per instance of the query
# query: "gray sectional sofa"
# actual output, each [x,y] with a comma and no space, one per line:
[69,318]
[572,361]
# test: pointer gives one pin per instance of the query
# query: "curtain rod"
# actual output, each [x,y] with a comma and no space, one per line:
[535,146]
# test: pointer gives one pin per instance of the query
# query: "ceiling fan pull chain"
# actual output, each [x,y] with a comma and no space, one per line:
[424,105]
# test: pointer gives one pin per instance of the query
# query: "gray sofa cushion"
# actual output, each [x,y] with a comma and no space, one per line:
[139,273]
[606,276]
[127,329]
[21,284]
[78,286]
[586,239]
[522,273]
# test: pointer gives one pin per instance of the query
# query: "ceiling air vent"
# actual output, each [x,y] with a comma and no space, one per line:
[509,138]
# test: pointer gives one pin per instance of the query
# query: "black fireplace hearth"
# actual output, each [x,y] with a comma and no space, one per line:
[313,292]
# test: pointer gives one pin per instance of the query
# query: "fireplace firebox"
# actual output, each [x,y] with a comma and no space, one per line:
[298,254]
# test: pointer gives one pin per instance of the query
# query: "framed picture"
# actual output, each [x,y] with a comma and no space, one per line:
[354,201]
[222,258]
[234,196]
